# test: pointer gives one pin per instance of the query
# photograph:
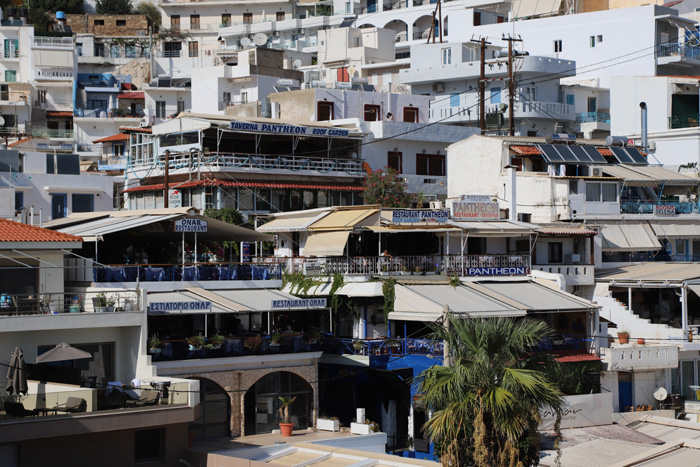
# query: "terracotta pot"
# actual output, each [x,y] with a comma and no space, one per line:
[640,341]
[286,428]
[623,338]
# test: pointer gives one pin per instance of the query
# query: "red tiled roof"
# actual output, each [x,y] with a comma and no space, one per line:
[135,129]
[132,95]
[11,231]
[59,113]
[113,139]
[526,150]
[217,182]
[17,143]
[572,356]
[605,151]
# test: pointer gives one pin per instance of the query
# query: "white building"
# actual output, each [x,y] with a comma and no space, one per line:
[166,97]
[16,76]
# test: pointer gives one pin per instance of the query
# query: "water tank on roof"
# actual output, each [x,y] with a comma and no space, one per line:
[60,15]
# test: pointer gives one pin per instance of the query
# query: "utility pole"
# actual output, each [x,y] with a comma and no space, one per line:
[482,83]
[432,29]
[511,85]
[166,179]
[439,7]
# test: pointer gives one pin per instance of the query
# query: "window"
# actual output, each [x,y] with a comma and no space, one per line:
[394,161]
[592,41]
[99,50]
[609,192]
[477,18]
[247,18]
[226,97]
[10,76]
[573,187]
[372,113]
[554,252]
[570,99]
[500,19]
[430,164]
[324,111]
[99,22]
[160,109]
[118,149]
[121,23]
[348,7]
[194,22]
[410,114]
[41,96]
[599,38]
[557,46]
[12,48]
[454,99]
[19,200]
[225,19]
[244,97]
[175,22]
[592,104]
[280,16]
[593,192]
[446,56]
[180,106]
[148,445]
[83,203]
[193,48]
[495,95]
[605,192]
[680,246]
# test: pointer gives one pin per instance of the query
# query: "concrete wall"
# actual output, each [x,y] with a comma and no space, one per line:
[475,164]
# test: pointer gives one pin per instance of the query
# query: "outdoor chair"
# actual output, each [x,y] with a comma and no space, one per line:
[148,397]
[72,405]
[17,410]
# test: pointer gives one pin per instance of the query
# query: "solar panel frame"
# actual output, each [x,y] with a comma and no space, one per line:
[566,153]
[622,156]
[594,154]
[636,156]
[581,155]
[546,149]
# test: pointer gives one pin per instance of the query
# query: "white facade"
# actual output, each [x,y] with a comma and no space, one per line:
[163,102]
[15,76]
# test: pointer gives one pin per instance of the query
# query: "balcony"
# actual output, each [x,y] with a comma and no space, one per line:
[591,117]
[668,54]
[10,53]
[45,41]
[631,357]
[575,274]
[650,207]
[15,96]
[683,121]
[467,265]
[69,302]
[52,133]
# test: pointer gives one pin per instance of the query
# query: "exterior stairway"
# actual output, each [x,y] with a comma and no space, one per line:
[615,311]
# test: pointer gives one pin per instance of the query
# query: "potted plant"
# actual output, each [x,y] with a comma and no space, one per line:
[641,341]
[328,423]
[623,336]
[358,345]
[196,342]
[364,428]
[430,269]
[216,341]
[99,302]
[155,345]
[110,304]
[392,343]
[253,343]
[418,270]
[276,339]
[286,426]
[311,336]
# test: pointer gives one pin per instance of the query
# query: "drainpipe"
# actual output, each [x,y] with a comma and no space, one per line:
[510,194]
[643,106]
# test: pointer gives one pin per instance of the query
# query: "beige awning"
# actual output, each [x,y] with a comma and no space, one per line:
[655,273]
[326,243]
[296,222]
[409,229]
[629,236]
[53,59]
[346,219]
[676,229]
[695,288]
[528,8]
[648,175]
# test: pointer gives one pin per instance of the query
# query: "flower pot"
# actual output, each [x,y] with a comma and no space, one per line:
[640,341]
[109,309]
[328,425]
[286,428]
[74,308]
[100,309]
[360,429]
[623,338]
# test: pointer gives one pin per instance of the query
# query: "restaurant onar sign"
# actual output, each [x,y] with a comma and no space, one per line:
[475,207]
[190,225]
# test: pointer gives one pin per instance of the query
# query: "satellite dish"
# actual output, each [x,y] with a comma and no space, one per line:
[260,39]
[296,64]
[245,42]
[2,121]
[660,394]
[497,54]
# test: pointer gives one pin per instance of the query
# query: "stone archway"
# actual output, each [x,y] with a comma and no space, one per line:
[214,416]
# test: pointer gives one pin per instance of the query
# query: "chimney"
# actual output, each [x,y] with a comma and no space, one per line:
[643,106]
[510,191]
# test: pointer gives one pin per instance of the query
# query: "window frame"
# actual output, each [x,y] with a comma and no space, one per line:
[446,56]
[369,109]
[428,165]
[398,156]
[328,105]
[411,110]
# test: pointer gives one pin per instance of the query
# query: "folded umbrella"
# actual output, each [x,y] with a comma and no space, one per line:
[17,373]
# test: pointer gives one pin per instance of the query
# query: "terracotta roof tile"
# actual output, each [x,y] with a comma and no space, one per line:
[135,129]
[525,150]
[605,151]
[565,231]
[17,143]
[216,182]
[11,231]
[113,139]
[586,357]
[132,95]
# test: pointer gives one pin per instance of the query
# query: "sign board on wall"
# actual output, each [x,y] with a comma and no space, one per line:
[174,198]
[411,217]
[191,225]
[179,306]
[304,303]
[580,411]
[665,210]
[475,207]
[514,271]
[289,129]
[245,252]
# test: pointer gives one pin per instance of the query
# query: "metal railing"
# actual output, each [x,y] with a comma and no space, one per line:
[383,346]
[69,302]
[678,50]
[588,117]
[683,121]
[401,36]
[515,264]
[169,53]
[51,133]
[43,41]
[649,207]
[10,54]
[421,34]
[396,5]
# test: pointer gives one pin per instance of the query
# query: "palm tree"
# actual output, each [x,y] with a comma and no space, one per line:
[485,405]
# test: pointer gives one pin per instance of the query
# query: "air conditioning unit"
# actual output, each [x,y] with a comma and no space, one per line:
[438,87]
[596,172]
[436,205]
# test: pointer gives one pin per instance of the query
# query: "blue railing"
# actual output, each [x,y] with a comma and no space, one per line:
[648,207]
[383,346]
[233,347]
[671,50]
[167,273]
[587,117]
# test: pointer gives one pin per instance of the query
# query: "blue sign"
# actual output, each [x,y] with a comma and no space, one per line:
[517,271]
[245,252]
[412,217]
[179,306]
[299,303]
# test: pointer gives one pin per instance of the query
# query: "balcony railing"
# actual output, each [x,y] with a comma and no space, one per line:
[66,302]
[649,207]
[383,346]
[52,134]
[401,36]
[683,121]
[588,117]
[169,54]
[10,53]
[44,41]
[396,5]
[678,50]
[411,265]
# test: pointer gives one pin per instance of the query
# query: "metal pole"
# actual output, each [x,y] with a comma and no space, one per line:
[511,90]
[166,180]
[439,6]
[195,249]
[183,250]
[482,87]
[445,346]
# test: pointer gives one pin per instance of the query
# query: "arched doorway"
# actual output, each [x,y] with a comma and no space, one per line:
[214,420]
[261,402]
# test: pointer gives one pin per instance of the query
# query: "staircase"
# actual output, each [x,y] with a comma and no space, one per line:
[615,311]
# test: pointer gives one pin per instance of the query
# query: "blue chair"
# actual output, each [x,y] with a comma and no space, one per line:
[118,275]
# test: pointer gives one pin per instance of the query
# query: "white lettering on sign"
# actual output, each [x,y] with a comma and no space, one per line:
[300,303]
[289,129]
[411,217]
[179,306]
[515,271]
[665,209]
[191,225]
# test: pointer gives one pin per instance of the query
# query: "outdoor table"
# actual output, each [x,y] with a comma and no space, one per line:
[44,411]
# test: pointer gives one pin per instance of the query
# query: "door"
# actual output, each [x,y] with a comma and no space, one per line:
[58,205]
[592,104]
[624,386]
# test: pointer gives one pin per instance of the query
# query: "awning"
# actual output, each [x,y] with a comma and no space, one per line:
[326,243]
[258,300]
[494,227]
[425,303]
[92,231]
[626,236]
[648,175]
[352,289]
[345,219]
[411,229]
[52,58]
[675,229]
[528,8]
[180,125]
[695,288]
[655,273]
[293,223]
[535,297]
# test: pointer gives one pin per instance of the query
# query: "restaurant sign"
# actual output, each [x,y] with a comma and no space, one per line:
[304,303]
[179,306]
[665,210]
[174,198]
[475,207]
[289,129]
[511,271]
[412,217]
[191,225]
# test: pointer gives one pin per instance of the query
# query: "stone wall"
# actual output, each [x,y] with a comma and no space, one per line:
[109,25]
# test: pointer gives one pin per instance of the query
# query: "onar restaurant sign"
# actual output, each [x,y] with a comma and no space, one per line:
[299,303]
[289,129]
[410,217]
[475,207]
[179,306]
[191,225]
